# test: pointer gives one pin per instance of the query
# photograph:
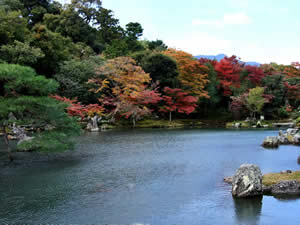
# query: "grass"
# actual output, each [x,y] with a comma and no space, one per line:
[274,178]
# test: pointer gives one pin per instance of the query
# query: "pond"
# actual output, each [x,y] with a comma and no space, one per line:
[146,177]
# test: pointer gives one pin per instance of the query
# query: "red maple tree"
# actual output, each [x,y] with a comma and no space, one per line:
[178,100]
[228,70]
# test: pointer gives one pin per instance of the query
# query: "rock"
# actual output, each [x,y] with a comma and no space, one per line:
[267,190]
[95,129]
[292,131]
[283,140]
[298,160]
[247,181]
[258,124]
[296,139]
[24,139]
[228,180]
[11,137]
[271,142]
[285,171]
[237,125]
[288,187]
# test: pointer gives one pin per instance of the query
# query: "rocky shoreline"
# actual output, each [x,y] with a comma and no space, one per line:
[291,136]
[248,181]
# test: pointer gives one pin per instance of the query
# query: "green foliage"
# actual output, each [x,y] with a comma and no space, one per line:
[73,76]
[116,49]
[55,47]
[211,87]
[25,94]
[255,100]
[282,113]
[274,86]
[20,53]
[12,27]
[157,45]
[162,69]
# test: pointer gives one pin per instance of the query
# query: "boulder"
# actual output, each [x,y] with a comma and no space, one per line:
[296,139]
[288,187]
[292,131]
[237,125]
[298,160]
[271,142]
[247,181]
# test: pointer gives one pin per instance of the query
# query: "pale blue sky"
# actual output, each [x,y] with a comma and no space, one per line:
[256,30]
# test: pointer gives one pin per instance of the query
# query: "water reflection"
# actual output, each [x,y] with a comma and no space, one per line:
[248,210]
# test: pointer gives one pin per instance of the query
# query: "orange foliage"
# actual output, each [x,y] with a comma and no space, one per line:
[192,75]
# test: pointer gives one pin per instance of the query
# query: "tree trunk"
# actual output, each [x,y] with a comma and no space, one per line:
[5,136]
[133,121]
[170,116]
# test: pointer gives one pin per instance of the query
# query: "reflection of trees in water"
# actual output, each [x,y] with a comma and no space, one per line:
[248,210]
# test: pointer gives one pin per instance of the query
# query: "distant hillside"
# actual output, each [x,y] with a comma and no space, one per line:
[221,56]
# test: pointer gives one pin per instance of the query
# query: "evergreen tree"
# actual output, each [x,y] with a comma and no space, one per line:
[25,101]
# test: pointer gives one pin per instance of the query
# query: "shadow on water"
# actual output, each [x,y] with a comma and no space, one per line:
[248,210]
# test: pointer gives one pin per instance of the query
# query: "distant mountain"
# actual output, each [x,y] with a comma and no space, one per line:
[221,56]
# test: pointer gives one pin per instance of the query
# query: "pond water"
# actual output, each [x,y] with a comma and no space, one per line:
[146,177]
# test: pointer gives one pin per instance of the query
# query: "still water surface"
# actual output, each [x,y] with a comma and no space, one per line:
[148,177]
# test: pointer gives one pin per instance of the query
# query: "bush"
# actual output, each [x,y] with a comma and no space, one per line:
[282,113]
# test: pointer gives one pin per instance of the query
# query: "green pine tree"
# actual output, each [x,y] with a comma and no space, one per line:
[25,95]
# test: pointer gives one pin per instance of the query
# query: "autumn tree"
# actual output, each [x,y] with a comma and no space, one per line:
[255,74]
[228,70]
[123,81]
[192,75]
[177,100]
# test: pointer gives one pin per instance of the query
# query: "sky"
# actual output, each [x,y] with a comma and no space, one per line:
[258,30]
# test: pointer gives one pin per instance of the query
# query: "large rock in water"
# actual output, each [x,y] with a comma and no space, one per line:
[271,142]
[247,181]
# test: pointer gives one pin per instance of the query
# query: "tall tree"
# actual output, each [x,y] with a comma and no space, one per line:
[255,100]
[228,70]
[177,100]
[192,75]
[162,69]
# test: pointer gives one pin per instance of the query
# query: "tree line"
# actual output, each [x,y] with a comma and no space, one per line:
[90,65]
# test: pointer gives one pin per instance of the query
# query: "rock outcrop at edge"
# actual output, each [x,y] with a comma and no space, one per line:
[247,181]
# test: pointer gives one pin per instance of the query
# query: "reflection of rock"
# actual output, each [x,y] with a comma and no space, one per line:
[248,210]
[247,181]
[271,142]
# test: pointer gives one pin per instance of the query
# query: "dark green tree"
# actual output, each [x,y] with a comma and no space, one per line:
[274,85]
[161,68]
[55,47]
[158,45]
[133,32]
[73,76]
[24,95]
[12,27]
